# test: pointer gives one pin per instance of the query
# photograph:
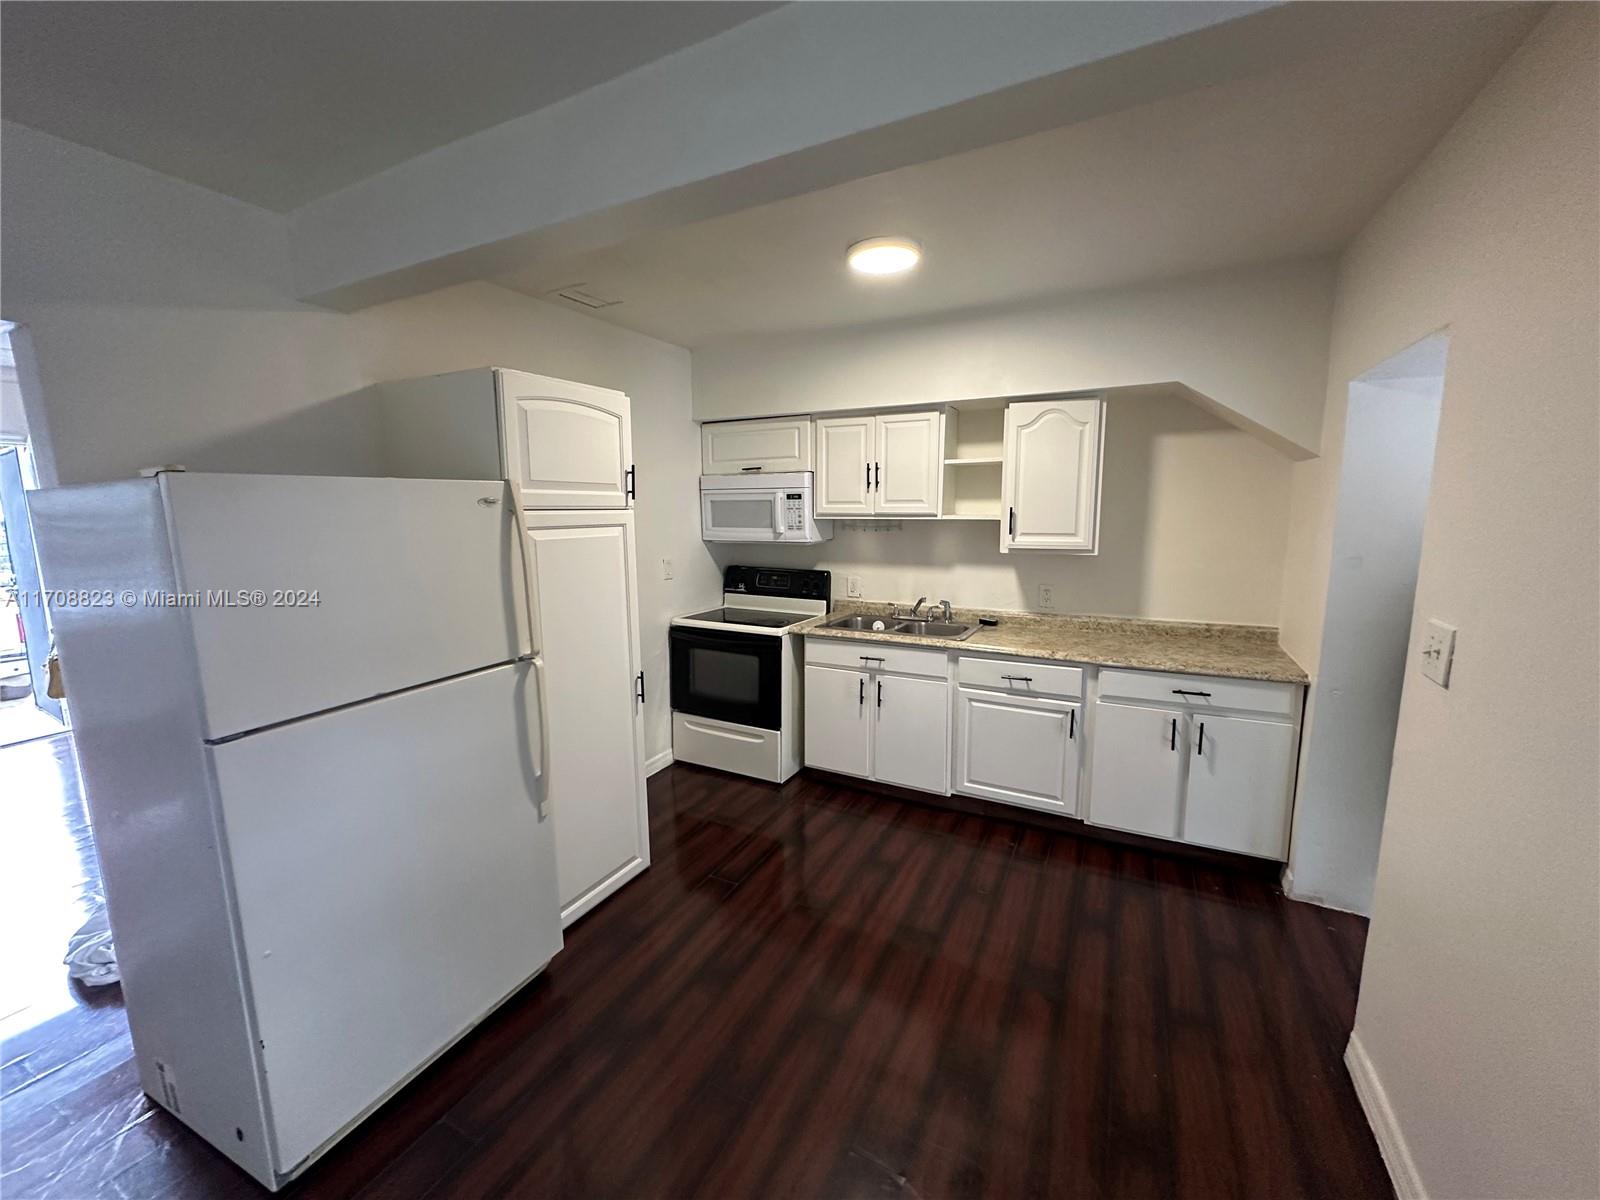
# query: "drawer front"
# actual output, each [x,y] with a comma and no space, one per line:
[877,656]
[1020,677]
[1202,692]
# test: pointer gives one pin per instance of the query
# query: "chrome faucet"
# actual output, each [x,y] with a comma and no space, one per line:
[916,609]
[948,615]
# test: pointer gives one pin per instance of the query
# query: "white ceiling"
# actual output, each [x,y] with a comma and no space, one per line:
[279,103]
[1278,165]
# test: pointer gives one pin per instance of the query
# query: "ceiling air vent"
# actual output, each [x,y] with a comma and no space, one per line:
[579,294]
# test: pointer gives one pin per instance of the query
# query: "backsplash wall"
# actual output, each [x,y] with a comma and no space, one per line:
[1194,517]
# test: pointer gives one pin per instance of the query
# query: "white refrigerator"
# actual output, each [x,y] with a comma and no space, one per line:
[310,726]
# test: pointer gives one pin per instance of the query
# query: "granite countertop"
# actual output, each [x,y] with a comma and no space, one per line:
[1230,651]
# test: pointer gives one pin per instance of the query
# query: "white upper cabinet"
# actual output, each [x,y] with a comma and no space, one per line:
[845,450]
[567,445]
[910,464]
[736,447]
[1050,485]
[891,464]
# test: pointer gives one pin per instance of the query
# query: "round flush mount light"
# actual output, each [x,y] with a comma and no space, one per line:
[883,255]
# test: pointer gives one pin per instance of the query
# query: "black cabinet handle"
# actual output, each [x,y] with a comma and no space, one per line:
[631,479]
[1200,745]
[749,468]
[870,658]
[877,477]
[1072,723]
[640,691]
[880,693]
[1174,733]
[861,696]
[1181,692]
[1018,678]
[1011,522]
[869,476]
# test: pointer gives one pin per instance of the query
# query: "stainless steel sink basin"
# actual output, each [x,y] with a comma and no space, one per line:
[863,623]
[940,629]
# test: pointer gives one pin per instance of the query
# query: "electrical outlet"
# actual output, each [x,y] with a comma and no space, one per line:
[1047,597]
[666,568]
[852,586]
[1438,650]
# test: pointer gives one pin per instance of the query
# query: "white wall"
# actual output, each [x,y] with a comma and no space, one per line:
[162,330]
[1253,340]
[1355,702]
[1194,516]
[1480,996]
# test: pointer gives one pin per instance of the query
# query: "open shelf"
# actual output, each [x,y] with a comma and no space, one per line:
[972,490]
[972,462]
[973,434]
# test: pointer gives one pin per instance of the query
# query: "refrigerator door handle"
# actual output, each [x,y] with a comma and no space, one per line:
[541,760]
[529,612]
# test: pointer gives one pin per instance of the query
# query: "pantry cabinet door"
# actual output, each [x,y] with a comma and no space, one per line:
[1017,750]
[838,721]
[1239,785]
[1050,476]
[1136,771]
[567,445]
[908,474]
[911,742]
[845,447]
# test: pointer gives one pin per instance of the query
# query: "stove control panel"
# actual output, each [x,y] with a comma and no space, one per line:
[775,581]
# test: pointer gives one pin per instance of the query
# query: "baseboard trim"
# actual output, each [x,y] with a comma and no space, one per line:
[1380,1115]
[657,762]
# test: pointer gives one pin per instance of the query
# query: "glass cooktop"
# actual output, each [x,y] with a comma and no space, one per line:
[748,616]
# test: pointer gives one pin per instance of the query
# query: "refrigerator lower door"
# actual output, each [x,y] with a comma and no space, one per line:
[395,880]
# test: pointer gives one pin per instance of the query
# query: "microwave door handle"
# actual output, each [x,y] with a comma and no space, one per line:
[777,515]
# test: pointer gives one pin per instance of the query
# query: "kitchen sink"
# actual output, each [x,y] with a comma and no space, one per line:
[866,624]
[939,629]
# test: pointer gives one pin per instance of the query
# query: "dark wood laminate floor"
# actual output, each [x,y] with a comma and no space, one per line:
[814,991]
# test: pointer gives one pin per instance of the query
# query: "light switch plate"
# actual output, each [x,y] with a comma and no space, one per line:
[1438,650]
[666,568]
[852,587]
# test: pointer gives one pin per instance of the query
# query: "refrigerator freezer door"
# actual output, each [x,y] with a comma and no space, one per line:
[395,880]
[308,592]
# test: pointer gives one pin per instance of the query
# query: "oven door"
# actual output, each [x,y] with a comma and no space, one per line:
[739,515]
[733,677]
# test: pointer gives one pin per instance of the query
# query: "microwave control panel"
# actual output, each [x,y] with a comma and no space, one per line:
[794,504]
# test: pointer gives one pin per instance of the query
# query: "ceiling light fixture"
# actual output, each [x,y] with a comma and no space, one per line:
[883,255]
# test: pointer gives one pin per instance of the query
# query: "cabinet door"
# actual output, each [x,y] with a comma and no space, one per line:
[909,470]
[586,609]
[734,447]
[844,461]
[838,720]
[567,445]
[1017,750]
[1050,485]
[1137,769]
[911,742]
[1239,785]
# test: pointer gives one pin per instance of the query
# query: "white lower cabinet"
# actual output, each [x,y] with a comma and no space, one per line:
[876,725]
[838,725]
[1219,780]
[912,731]
[1136,772]
[1240,775]
[1018,749]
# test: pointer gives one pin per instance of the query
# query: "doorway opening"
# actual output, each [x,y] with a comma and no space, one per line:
[27,710]
[1386,473]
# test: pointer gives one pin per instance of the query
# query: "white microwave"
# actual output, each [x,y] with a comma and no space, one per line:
[760,508]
